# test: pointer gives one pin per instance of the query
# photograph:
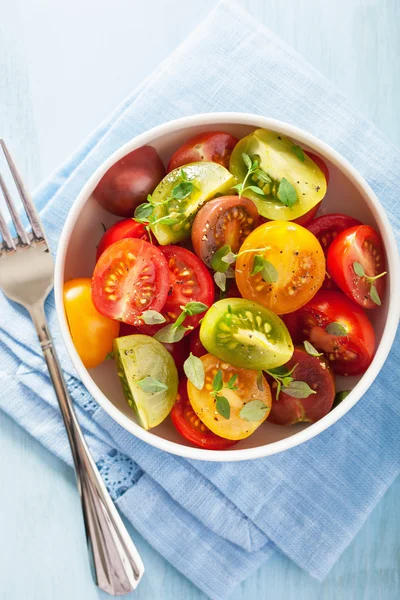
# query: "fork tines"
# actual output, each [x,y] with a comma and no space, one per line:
[23,238]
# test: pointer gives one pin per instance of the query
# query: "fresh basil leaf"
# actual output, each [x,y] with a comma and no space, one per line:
[287,193]
[278,389]
[152,317]
[217,263]
[336,329]
[167,220]
[231,382]
[260,382]
[298,389]
[262,176]
[222,406]
[229,258]
[269,274]
[194,371]
[373,292]
[217,382]
[143,212]
[170,333]
[279,371]
[255,189]
[310,349]
[182,190]
[195,308]
[339,397]
[258,264]
[253,411]
[238,187]
[180,319]
[247,160]
[150,385]
[358,269]
[220,280]
[298,151]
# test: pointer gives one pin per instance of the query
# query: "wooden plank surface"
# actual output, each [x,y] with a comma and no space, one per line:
[63,67]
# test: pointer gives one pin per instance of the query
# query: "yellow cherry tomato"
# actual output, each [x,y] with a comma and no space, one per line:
[91,333]
[281,265]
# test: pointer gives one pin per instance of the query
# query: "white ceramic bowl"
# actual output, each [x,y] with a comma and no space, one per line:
[347,193]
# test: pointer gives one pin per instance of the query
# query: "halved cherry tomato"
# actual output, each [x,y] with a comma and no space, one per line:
[320,163]
[128,228]
[196,347]
[129,181]
[129,278]
[316,373]
[178,350]
[189,281]
[234,427]
[215,146]
[189,425]
[350,352]
[305,219]
[295,255]
[362,245]
[325,229]
[227,220]
[290,176]
[91,332]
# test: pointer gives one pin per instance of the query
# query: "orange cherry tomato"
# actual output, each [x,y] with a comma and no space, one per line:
[294,266]
[91,333]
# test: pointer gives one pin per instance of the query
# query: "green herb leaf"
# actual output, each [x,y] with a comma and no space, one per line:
[231,383]
[253,411]
[255,189]
[217,263]
[167,220]
[262,176]
[336,329]
[278,389]
[152,317]
[279,371]
[143,212]
[194,371]
[217,382]
[298,389]
[195,308]
[287,193]
[298,152]
[310,349]
[269,274]
[373,292]
[258,264]
[238,187]
[222,406]
[151,385]
[183,175]
[220,280]
[247,160]
[110,356]
[229,258]
[260,383]
[170,333]
[182,190]
[358,269]
[339,397]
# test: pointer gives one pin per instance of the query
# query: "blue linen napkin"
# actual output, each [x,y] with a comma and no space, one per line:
[217,522]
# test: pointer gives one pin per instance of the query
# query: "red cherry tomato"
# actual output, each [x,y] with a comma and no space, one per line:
[320,163]
[196,347]
[128,228]
[189,425]
[305,219]
[129,181]
[355,258]
[214,146]
[179,351]
[349,344]
[126,329]
[189,281]
[325,229]
[129,278]
[315,371]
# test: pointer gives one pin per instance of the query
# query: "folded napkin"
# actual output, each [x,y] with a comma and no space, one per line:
[217,522]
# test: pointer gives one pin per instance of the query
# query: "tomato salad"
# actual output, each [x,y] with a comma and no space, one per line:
[220,295]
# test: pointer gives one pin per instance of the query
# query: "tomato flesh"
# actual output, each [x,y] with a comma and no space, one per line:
[314,371]
[227,220]
[214,146]
[348,354]
[360,244]
[189,425]
[129,278]
[128,228]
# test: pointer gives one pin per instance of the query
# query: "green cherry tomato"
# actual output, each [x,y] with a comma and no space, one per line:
[180,195]
[149,377]
[281,160]
[246,335]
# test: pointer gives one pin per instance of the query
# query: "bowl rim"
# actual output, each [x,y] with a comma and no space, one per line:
[388,335]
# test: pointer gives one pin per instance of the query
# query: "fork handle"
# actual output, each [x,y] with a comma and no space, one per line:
[117,564]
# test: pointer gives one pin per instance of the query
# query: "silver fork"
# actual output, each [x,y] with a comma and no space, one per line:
[26,277]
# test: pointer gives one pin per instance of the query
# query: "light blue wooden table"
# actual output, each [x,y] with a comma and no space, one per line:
[63,67]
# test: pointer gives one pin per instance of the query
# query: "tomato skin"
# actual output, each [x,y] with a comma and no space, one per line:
[315,371]
[129,181]
[91,332]
[179,351]
[188,280]
[359,244]
[128,228]
[320,163]
[130,278]
[215,146]
[305,219]
[227,220]
[196,347]
[348,355]
[189,425]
